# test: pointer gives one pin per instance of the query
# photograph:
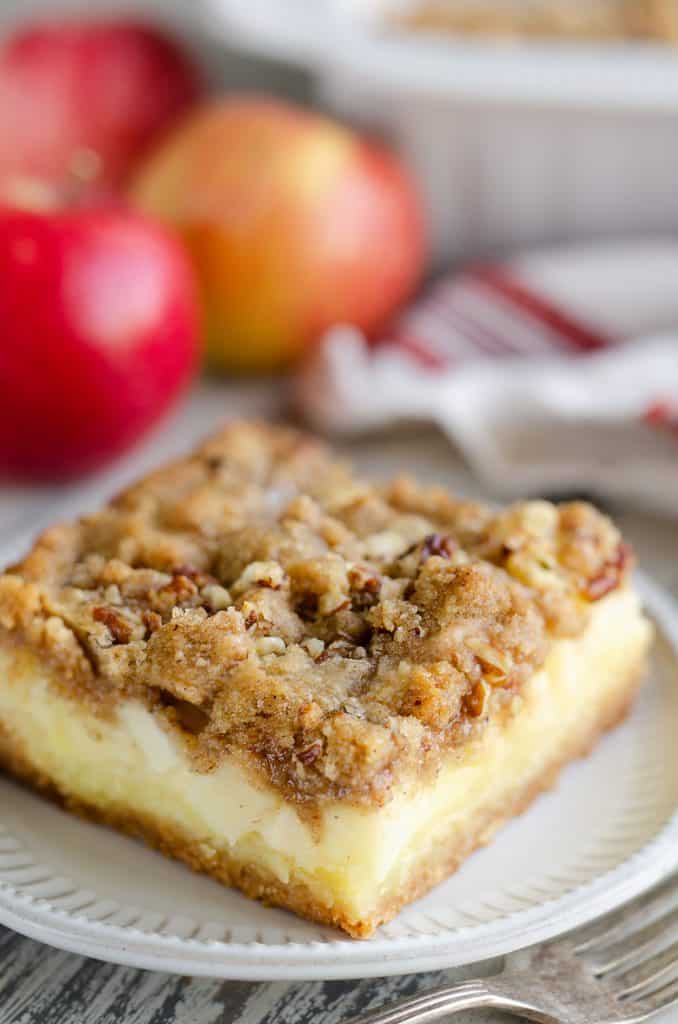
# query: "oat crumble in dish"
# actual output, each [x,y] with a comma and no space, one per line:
[322,691]
[599,20]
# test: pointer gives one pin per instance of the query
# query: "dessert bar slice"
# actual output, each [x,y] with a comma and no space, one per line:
[322,691]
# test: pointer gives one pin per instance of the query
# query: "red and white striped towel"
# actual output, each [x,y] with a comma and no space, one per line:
[555,371]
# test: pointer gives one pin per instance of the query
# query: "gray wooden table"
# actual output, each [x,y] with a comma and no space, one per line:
[39,985]
[43,986]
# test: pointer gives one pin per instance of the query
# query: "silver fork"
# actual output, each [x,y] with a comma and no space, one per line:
[621,969]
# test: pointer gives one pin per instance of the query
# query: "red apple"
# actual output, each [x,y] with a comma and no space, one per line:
[294,223]
[98,334]
[86,98]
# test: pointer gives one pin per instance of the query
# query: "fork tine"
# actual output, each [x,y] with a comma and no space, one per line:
[633,915]
[635,946]
[660,999]
[656,971]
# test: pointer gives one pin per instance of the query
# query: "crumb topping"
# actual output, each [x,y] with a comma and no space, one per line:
[261,600]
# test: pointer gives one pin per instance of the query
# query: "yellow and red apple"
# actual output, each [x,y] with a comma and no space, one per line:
[293,221]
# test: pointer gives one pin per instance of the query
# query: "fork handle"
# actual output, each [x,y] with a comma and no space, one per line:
[443,1002]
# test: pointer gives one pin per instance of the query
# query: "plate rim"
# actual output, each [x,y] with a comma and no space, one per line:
[343,958]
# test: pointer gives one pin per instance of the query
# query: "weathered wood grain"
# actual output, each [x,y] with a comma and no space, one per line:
[39,985]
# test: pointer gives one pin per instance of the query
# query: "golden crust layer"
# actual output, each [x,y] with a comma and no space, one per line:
[258,597]
[565,19]
[258,883]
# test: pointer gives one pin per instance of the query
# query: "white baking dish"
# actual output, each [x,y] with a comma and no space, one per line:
[512,144]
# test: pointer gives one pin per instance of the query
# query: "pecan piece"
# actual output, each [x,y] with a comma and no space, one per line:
[475,701]
[610,575]
[365,586]
[311,753]
[180,586]
[198,576]
[119,628]
[439,544]
[152,621]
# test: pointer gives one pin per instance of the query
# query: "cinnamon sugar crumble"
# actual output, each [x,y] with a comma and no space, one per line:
[261,599]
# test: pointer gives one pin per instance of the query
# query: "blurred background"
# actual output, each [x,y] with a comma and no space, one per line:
[358,213]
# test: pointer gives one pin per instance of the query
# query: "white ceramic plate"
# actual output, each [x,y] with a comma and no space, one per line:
[323,35]
[608,830]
